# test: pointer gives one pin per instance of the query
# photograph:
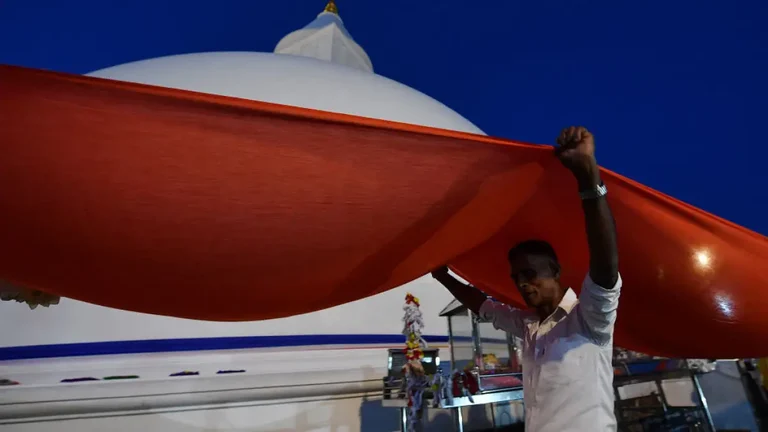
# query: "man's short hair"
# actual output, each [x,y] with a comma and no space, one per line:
[533,247]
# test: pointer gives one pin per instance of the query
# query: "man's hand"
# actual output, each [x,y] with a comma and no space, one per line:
[467,295]
[576,150]
[440,272]
[32,298]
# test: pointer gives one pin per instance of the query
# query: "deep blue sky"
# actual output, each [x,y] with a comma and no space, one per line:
[675,91]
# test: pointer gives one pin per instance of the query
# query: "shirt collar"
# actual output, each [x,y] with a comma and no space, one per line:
[569,301]
[566,305]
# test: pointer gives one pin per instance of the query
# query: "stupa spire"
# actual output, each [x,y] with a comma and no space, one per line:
[331,7]
[327,39]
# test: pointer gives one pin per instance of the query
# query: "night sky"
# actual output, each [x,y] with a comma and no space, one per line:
[676,92]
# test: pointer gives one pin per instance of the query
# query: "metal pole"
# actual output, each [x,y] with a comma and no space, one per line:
[704,404]
[477,347]
[663,398]
[459,420]
[404,419]
[451,342]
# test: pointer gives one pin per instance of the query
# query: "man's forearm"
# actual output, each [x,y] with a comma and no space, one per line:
[601,233]
[469,296]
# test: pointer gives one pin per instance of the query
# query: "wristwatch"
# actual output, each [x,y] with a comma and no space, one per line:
[594,193]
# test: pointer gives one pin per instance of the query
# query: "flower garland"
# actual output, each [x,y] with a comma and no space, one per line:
[414,324]
[415,380]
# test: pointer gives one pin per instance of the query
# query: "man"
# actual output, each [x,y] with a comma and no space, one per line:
[567,341]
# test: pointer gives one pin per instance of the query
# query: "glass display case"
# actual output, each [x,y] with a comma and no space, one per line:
[491,355]
[656,393]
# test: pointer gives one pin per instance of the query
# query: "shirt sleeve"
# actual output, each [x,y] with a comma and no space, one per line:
[598,309]
[503,317]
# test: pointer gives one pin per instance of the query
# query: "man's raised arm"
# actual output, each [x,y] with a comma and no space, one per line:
[599,300]
[577,152]
[500,315]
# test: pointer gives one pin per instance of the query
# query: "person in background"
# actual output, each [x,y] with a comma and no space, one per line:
[567,341]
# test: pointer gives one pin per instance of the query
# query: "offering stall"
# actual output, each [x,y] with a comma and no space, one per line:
[484,369]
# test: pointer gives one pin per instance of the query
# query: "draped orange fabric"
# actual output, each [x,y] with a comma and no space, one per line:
[191,205]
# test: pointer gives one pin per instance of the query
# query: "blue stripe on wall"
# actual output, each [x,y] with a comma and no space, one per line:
[197,344]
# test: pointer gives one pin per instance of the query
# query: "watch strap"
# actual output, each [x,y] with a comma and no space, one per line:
[594,193]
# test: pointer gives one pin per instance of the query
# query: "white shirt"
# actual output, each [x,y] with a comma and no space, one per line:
[567,370]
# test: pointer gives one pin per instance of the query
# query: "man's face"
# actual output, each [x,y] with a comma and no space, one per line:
[536,277]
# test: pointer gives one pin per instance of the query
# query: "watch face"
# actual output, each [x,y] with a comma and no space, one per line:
[599,191]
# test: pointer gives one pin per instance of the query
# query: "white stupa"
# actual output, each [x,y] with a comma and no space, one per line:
[319,66]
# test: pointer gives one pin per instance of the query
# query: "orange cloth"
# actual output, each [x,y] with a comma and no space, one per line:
[178,203]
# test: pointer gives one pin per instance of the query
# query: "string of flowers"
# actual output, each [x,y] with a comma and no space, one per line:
[415,380]
[414,325]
